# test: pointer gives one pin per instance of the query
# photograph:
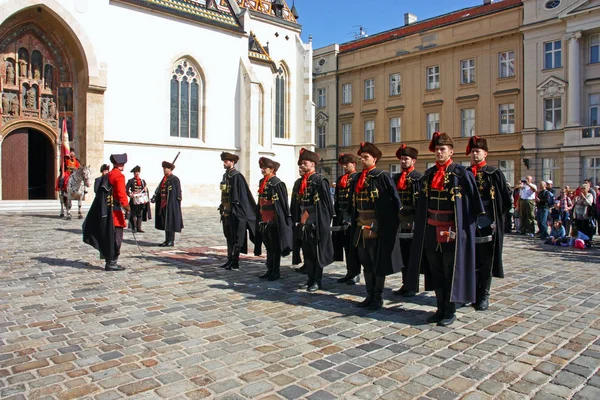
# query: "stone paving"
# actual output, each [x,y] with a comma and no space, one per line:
[174,325]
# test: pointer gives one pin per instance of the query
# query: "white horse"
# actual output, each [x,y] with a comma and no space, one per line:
[78,181]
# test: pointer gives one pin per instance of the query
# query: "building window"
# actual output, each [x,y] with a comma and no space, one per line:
[591,169]
[346,135]
[467,71]
[370,131]
[507,118]
[394,169]
[321,97]
[394,130]
[549,169]
[466,164]
[369,89]
[553,114]
[508,169]
[594,48]
[467,122]
[280,103]
[433,124]
[321,137]
[187,94]
[347,93]
[395,85]
[433,77]
[594,108]
[506,67]
[429,165]
[553,55]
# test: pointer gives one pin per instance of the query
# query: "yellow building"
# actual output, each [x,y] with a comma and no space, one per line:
[459,73]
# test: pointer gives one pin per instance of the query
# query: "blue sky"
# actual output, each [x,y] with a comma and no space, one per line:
[336,21]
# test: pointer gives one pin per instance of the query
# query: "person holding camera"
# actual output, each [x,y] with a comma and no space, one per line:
[543,201]
[527,192]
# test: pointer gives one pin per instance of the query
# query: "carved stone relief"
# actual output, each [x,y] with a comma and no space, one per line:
[552,88]
[10,72]
[321,119]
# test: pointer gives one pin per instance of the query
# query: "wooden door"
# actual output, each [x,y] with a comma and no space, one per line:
[15,170]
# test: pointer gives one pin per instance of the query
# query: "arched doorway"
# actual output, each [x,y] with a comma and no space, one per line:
[28,167]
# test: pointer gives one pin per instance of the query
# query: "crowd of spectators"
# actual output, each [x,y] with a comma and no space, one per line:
[563,217]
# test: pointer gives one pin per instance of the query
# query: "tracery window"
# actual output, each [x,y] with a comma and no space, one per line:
[187,95]
[280,103]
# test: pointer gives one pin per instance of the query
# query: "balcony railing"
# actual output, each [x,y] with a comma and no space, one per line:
[590,132]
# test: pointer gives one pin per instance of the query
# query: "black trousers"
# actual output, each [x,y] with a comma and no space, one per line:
[313,271]
[373,284]
[351,256]
[271,242]
[118,241]
[233,231]
[484,257]
[440,258]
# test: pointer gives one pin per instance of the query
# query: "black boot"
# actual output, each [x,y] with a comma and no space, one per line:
[439,313]
[449,312]
[377,301]
[269,264]
[275,274]
[138,226]
[170,239]
[345,278]
[235,261]
[483,294]
[113,266]
[301,269]
[227,264]
[353,280]
[370,286]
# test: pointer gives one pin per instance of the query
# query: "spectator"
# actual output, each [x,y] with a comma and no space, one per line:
[527,205]
[555,213]
[508,222]
[577,235]
[582,212]
[556,234]
[566,204]
[550,188]
[542,200]
[516,215]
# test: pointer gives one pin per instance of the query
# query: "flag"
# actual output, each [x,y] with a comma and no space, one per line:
[65,148]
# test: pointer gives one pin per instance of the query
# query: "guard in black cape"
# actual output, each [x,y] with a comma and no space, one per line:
[489,241]
[238,211]
[167,209]
[342,233]
[315,209]
[448,208]
[375,223]
[103,226]
[103,171]
[407,184]
[274,224]
[296,229]
[137,190]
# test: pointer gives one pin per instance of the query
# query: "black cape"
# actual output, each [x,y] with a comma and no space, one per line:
[501,204]
[243,209]
[172,220]
[387,206]
[146,209]
[283,220]
[295,216]
[98,226]
[467,206]
[343,219]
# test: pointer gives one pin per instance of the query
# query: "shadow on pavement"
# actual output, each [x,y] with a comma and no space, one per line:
[63,262]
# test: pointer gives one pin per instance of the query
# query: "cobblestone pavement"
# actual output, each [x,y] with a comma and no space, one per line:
[174,325]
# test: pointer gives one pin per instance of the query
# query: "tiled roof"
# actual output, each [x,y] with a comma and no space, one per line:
[257,52]
[432,23]
[266,7]
[217,12]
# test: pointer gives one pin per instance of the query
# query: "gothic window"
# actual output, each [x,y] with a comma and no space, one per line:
[187,95]
[280,103]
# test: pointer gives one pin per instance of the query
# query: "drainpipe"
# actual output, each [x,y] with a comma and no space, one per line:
[337,115]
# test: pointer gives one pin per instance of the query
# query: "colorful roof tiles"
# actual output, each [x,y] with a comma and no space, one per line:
[432,23]
[269,7]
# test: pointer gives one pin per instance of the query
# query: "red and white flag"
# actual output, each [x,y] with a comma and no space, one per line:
[64,148]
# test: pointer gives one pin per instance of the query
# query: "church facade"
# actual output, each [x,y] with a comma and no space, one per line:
[152,79]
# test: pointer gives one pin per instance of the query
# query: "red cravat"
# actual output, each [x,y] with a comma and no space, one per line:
[438,179]
[475,167]
[362,179]
[402,181]
[344,181]
[304,183]
[138,181]
[261,190]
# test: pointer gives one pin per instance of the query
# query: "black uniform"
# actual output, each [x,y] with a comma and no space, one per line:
[273,225]
[139,212]
[408,197]
[238,214]
[168,208]
[342,227]
[489,241]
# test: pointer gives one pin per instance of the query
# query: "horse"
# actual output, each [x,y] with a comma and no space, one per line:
[78,181]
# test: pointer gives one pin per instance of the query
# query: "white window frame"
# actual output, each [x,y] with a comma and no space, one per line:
[595,48]
[347,134]
[508,169]
[395,130]
[594,109]
[507,110]
[321,97]
[370,131]
[432,121]
[550,167]
[591,169]
[369,89]
[395,84]
[506,64]
[321,137]
[467,71]
[433,77]
[552,113]
[347,93]
[467,122]
[554,52]
[395,169]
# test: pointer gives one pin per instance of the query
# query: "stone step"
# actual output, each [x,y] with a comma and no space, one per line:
[16,206]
